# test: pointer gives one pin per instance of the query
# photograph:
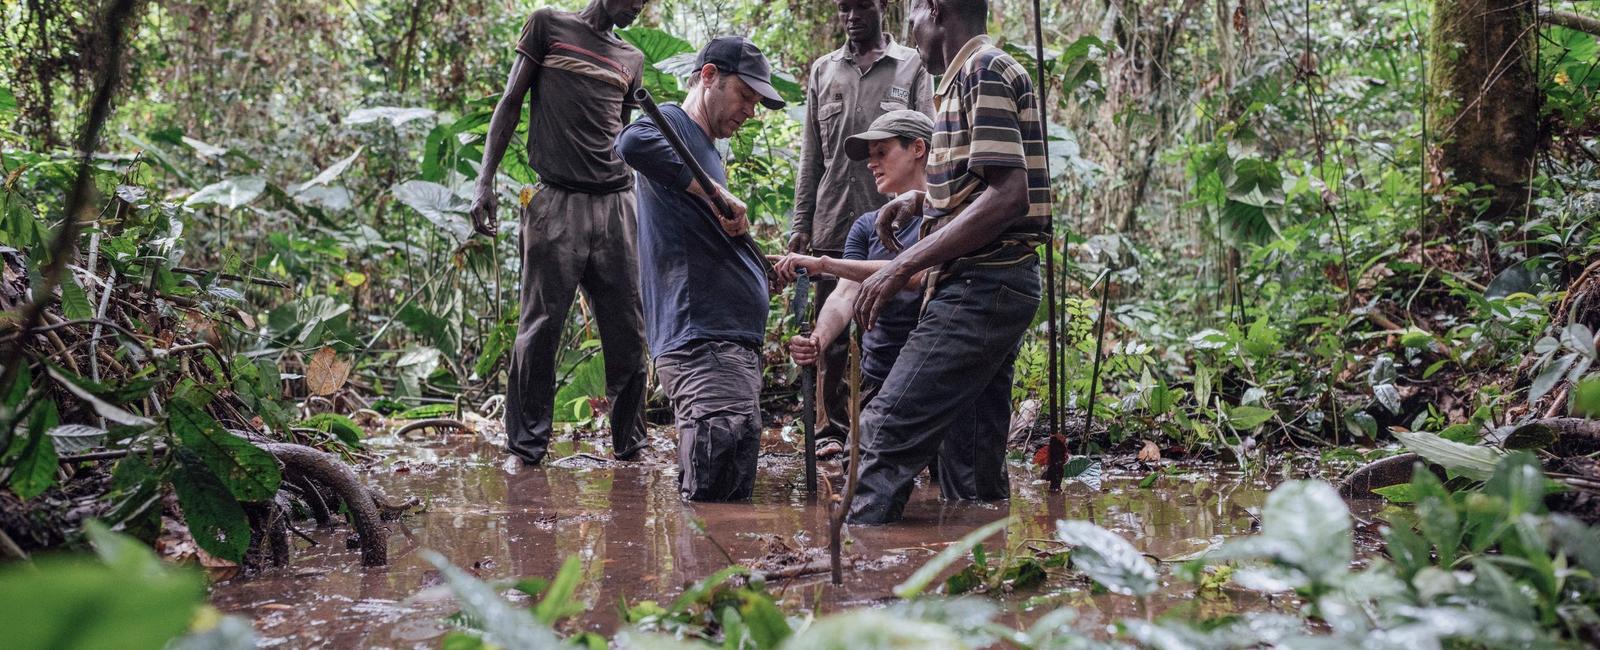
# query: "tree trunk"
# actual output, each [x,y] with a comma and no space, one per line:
[1483,102]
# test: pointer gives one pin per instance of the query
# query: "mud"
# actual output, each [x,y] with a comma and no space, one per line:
[638,541]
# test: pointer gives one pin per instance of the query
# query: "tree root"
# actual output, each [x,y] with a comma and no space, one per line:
[312,497]
[326,469]
[430,424]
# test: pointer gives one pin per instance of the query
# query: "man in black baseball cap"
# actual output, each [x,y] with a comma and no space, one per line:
[705,302]
[736,54]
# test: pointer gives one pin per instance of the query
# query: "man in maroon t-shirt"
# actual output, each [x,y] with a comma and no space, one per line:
[577,230]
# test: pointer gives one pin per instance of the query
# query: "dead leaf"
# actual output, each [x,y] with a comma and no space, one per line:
[327,373]
[1149,453]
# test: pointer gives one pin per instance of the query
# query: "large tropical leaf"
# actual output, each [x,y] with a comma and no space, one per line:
[249,472]
[128,600]
[232,193]
[214,516]
[394,115]
[502,623]
[76,438]
[438,205]
[925,574]
[658,47]
[1108,558]
[1305,526]
[1470,461]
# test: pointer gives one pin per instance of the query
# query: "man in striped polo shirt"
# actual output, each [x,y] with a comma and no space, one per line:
[948,396]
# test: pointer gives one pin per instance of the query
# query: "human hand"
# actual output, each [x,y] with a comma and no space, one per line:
[876,292]
[483,212]
[787,267]
[804,349]
[734,222]
[799,242]
[896,213]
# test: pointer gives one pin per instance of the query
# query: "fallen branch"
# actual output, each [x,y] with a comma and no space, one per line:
[1571,20]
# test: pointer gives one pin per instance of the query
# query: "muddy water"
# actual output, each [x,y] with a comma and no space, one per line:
[638,541]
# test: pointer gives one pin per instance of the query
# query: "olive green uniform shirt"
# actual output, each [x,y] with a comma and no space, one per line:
[841,101]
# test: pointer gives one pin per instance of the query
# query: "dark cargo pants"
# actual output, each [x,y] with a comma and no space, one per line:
[572,240]
[715,390]
[948,395]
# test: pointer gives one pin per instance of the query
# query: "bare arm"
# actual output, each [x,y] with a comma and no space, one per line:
[1002,204]
[831,322]
[502,126]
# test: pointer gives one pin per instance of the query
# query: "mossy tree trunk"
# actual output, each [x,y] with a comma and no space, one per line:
[1483,111]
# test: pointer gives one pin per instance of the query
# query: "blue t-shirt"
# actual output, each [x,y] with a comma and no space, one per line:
[880,346]
[697,283]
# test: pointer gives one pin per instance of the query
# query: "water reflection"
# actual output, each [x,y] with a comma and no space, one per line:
[638,541]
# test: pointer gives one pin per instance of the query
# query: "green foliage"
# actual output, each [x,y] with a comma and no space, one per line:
[125,599]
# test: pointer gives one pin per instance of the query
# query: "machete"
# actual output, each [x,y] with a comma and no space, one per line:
[648,103]
[808,377]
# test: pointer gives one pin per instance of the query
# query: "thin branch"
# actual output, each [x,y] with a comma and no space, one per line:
[1571,20]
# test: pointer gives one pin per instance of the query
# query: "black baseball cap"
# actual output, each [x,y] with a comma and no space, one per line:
[738,55]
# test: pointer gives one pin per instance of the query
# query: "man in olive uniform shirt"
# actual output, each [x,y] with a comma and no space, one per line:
[577,231]
[849,88]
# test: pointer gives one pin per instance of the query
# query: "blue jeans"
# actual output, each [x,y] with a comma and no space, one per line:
[949,394]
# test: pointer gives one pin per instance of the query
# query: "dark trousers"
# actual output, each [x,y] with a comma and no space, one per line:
[948,395]
[573,241]
[831,372]
[715,390]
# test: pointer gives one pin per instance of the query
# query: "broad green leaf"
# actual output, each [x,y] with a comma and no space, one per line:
[331,173]
[426,411]
[344,428]
[33,469]
[249,472]
[1085,470]
[232,193]
[1415,338]
[502,623]
[558,602]
[396,116]
[214,516]
[1586,398]
[105,409]
[767,625]
[1245,418]
[1467,460]
[440,206]
[924,575]
[77,438]
[1305,525]
[1398,493]
[705,586]
[1108,558]
[442,333]
[78,602]
[658,47]
[8,102]
[1519,479]
[869,629]
[1550,376]
[74,302]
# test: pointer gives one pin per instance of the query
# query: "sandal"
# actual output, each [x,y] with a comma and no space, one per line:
[829,447]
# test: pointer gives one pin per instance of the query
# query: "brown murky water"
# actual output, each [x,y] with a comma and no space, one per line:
[637,541]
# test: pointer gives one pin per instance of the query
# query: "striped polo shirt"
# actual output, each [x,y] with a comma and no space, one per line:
[985,115]
[579,101]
